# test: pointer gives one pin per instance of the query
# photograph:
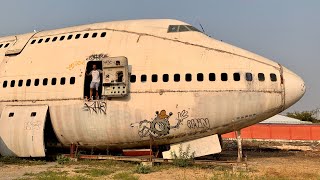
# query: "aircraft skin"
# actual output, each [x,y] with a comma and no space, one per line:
[198,105]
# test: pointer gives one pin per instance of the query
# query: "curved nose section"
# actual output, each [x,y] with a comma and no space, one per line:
[294,87]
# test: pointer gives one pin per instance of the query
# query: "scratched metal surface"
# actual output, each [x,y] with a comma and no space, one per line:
[22,134]
[169,112]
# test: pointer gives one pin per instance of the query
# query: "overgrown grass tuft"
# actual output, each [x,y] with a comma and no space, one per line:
[95,172]
[61,159]
[227,175]
[20,161]
[125,176]
[185,158]
[53,175]
[141,169]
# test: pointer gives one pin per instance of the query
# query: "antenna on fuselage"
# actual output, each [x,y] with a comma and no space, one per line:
[202,28]
[204,32]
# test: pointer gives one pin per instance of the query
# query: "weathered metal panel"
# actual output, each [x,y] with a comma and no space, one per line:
[22,131]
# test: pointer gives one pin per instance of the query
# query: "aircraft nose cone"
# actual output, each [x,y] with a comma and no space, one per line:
[294,87]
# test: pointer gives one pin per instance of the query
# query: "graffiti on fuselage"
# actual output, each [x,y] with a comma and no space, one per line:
[202,123]
[95,107]
[97,57]
[160,125]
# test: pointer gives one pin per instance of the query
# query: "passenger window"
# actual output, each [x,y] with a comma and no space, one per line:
[20,83]
[54,39]
[63,81]
[236,76]
[261,77]
[188,77]
[103,34]
[273,77]
[33,114]
[212,77]
[32,42]
[248,76]
[45,81]
[62,38]
[6,45]
[40,41]
[154,78]
[11,114]
[47,40]
[176,77]
[78,36]
[133,78]
[94,35]
[224,77]
[72,80]
[165,77]
[200,77]
[53,81]
[13,82]
[86,35]
[28,83]
[70,36]
[5,84]
[36,82]
[143,78]
[173,28]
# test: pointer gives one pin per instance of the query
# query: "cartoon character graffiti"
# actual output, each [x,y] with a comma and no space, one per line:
[160,125]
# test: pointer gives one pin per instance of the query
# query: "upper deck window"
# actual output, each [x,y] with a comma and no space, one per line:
[181,28]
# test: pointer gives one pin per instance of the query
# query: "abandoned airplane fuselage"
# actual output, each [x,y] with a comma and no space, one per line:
[162,79]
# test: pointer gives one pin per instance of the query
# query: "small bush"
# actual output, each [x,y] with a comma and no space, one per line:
[141,169]
[184,159]
[61,159]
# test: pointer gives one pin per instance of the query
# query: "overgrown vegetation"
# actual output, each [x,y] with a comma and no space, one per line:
[125,176]
[185,158]
[95,172]
[227,175]
[61,159]
[20,161]
[53,175]
[141,169]
[304,116]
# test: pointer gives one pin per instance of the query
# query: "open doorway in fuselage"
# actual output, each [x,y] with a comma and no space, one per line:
[88,80]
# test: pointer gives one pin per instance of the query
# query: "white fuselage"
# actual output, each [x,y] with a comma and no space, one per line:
[214,95]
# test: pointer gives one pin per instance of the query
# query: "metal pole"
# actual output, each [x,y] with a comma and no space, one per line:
[72,150]
[238,133]
[151,139]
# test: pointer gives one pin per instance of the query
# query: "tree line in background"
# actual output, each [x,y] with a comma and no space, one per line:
[305,116]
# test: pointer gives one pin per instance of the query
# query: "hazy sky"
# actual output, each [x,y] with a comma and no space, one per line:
[287,31]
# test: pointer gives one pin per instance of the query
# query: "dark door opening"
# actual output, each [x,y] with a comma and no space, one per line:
[88,79]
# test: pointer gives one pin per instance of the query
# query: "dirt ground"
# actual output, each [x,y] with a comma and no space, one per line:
[261,164]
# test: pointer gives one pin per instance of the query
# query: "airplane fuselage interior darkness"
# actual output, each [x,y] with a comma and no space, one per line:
[161,79]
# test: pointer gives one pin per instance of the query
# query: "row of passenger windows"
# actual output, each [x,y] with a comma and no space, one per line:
[37,82]
[4,45]
[69,37]
[200,77]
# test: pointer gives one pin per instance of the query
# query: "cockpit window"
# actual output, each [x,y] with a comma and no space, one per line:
[173,28]
[181,28]
[193,28]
